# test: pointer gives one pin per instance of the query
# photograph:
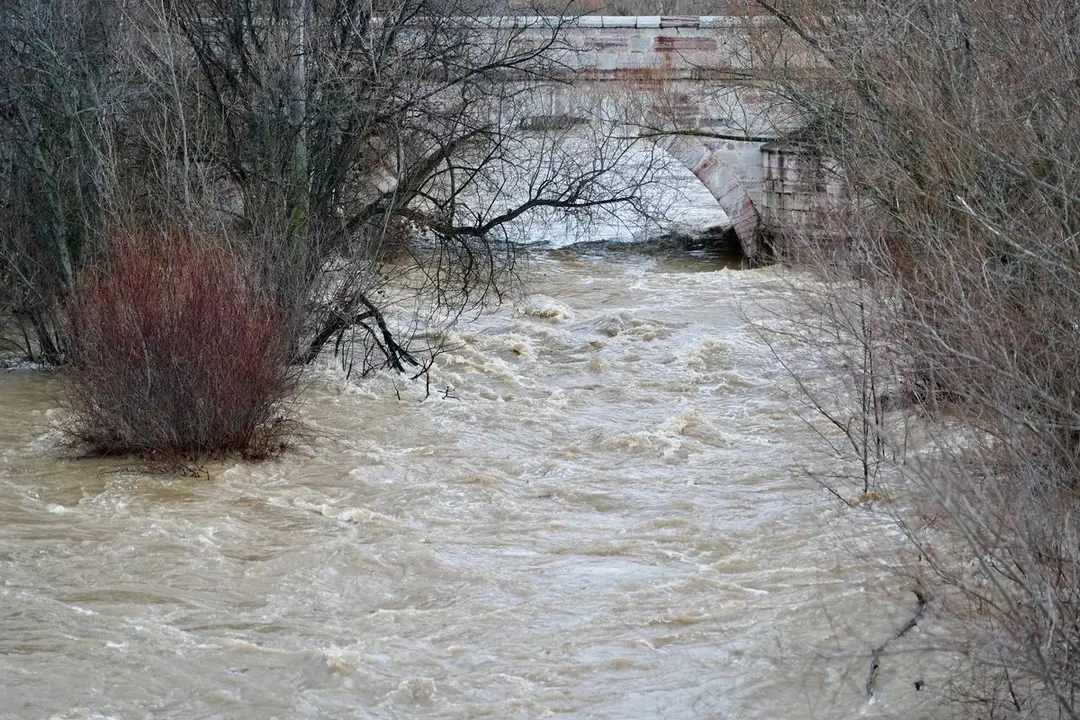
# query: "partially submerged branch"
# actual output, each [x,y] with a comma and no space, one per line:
[923,600]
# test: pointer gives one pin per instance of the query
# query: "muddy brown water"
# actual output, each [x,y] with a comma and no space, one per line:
[598,513]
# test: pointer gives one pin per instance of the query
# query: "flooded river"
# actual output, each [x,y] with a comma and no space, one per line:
[598,513]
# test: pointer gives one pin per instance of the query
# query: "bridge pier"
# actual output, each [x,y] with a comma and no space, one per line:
[803,196]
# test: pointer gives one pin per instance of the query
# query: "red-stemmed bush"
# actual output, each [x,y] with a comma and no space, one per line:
[177,352]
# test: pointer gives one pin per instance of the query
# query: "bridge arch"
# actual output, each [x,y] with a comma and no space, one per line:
[732,172]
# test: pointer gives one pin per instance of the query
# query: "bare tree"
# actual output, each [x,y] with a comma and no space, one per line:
[369,140]
[54,97]
[834,325]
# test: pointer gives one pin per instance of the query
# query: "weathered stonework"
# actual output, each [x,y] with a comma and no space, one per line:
[803,194]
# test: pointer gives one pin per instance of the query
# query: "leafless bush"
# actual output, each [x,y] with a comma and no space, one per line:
[957,125]
[177,352]
[848,402]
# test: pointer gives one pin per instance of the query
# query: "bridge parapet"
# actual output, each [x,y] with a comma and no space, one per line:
[648,46]
[621,21]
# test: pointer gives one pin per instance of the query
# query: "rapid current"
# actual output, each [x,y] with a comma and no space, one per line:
[600,511]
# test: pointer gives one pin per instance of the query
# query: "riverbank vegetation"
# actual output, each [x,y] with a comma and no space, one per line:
[954,296]
[333,150]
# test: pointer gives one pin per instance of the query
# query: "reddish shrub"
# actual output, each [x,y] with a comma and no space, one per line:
[177,352]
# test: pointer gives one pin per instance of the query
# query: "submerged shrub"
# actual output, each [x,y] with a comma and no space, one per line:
[177,352]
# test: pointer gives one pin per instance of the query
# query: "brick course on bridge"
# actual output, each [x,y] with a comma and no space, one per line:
[670,46]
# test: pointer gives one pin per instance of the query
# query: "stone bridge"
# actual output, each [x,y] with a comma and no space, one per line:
[686,83]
